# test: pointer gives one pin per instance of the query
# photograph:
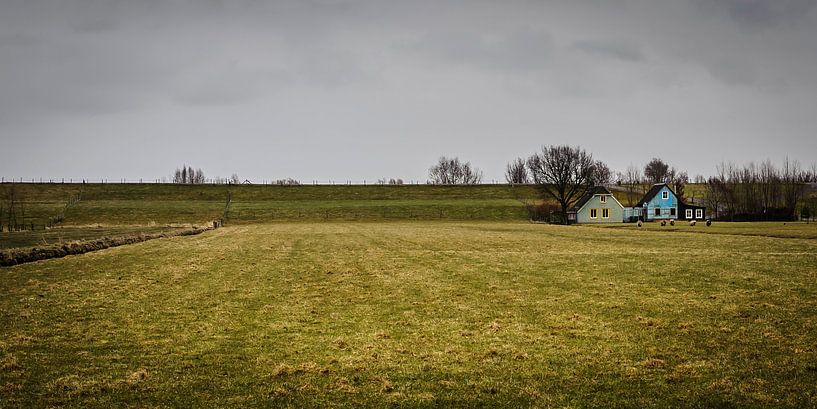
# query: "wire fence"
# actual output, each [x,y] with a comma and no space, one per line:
[263,182]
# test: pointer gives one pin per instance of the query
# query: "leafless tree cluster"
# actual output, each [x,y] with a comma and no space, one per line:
[451,171]
[391,181]
[757,191]
[187,175]
[286,182]
[563,173]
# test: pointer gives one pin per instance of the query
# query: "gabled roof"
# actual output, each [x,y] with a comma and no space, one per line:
[654,191]
[595,190]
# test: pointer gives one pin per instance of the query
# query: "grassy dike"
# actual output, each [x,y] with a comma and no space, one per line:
[146,204]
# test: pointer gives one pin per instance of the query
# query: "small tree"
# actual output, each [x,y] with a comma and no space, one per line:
[453,172]
[601,175]
[516,173]
[656,171]
[563,173]
[679,183]
[631,180]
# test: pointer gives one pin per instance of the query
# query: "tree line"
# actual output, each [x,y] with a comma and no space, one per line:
[760,191]
[562,174]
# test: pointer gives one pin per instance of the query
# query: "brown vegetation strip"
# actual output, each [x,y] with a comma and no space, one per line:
[26,255]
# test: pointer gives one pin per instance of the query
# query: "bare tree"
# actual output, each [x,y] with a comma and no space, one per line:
[679,182]
[656,171]
[793,185]
[631,180]
[234,180]
[563,173]
[601,175]
[516,173]
[454,172]
[14,206]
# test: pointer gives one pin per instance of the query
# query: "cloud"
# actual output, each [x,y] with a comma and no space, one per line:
[761,14]
[610,49]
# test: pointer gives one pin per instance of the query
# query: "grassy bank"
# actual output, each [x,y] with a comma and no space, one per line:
[445,313]
[144,204]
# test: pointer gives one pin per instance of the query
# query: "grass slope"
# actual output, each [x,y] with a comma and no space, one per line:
[445,313]
[144,204]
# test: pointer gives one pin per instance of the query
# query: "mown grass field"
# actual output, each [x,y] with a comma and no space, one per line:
[421,313]
[801,230]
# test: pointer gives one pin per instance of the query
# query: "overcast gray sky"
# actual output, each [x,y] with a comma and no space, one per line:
[369,89]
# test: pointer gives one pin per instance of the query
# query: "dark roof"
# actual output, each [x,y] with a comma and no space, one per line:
[595,190]
[654,191]
[691,206]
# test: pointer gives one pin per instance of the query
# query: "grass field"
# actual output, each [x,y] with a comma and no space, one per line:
[801,230]
[469,313]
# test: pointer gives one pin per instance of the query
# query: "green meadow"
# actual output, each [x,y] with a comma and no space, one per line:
[466,313]
[164,204]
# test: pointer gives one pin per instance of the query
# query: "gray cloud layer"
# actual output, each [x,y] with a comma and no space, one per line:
[361,90]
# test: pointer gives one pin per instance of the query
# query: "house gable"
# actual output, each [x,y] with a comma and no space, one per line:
[660,202]
[599,206]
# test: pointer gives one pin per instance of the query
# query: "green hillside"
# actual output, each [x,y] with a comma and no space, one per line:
[150,204]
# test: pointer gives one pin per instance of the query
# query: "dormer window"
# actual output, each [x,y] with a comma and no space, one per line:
[665,195]
[603,199]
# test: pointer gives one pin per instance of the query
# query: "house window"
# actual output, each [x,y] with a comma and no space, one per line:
[594,213]
[699,213]
[603,199]
[605,213]
[672,211]
[658,211]
[665,195]
[689,213]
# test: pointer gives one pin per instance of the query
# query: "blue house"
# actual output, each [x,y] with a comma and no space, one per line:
[661,203]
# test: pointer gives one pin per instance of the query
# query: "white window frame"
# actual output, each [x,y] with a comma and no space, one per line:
[664,195]
[605,211]
[689,213]
[594,211]
[699,213]
[603,199]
